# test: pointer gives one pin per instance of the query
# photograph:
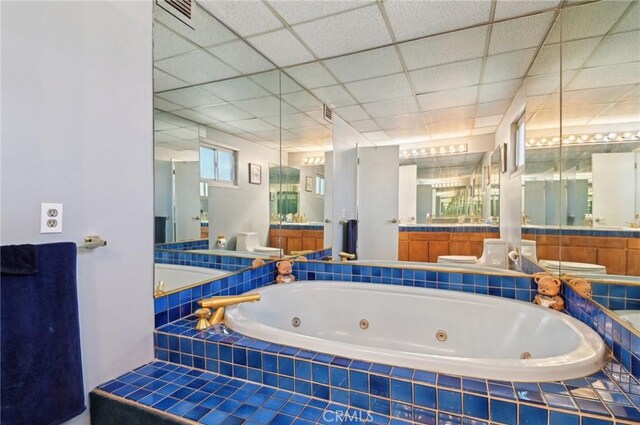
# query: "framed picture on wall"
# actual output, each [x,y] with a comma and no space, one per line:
[255,173]
[503,158]
[308,184]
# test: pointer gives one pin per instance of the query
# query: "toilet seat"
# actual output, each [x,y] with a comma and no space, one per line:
[569,267]
[459,259]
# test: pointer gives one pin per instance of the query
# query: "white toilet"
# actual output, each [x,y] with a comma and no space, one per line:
[572,267]
[494,254]
[529,250]
[248,241]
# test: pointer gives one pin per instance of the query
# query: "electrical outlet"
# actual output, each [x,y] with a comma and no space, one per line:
[50,218]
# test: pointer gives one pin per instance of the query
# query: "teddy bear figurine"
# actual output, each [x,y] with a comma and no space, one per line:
[285,267]
[582,286]
[548,290]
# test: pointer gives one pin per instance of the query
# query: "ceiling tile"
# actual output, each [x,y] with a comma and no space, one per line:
[247,18]
[385,108]
[449,114]
[271,81]
[281,47]
[352,113]
[450,126]
[574,53]
[252,124]
[492,108]
[206,31]
[631,20]
[262,106]
[361,66]
[400,121]
[159,125]
[298,121]
[499,91]
[632,95]
[302,100]
[490,121]
[164,105]
[345,33]
[313,133]
[293,13]
[190,97]
[174,120]
[380,88]
[250,137]
[318,115]
[375,135]
[483,130]
[446,48]
[449,76]
[615,49]
[184,133]
[364,125]
[334,96]
[166,43]
[409,132]
[241,56]
[521,33]
[588,20]
[507,66]
[596,95]
[160,137]
[195,116]
[606,76]
[415,18]
[542,84]
[448,98]
[197,67]
[163,81]
[224,112]
[311,76]
[510,8]
[235,89]
[626,112]
[225,127]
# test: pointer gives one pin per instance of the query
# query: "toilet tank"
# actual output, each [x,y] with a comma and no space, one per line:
[247,241]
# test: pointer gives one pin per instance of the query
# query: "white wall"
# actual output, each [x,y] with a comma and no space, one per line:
[245,209]
[77,129]
[510,187]
[408,193]
[344,178]
[310,203]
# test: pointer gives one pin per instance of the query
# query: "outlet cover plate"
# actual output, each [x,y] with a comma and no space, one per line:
[50,218]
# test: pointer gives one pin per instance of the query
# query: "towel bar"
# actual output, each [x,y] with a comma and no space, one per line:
[91,242]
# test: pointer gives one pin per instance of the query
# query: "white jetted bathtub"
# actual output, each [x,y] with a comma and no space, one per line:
[175,277]
[436,330]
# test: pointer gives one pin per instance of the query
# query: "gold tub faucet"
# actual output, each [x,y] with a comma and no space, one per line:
[219,303]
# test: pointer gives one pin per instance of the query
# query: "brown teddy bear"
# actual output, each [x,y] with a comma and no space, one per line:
[582,286]
[548,290]
[285,268]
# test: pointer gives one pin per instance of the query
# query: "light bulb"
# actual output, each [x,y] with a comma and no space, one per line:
[432,151]
[423,151]
[599,136]
[452,149]
[442,149]
[612,135]
[414,152]
[584,138]
[571,139]
[462,148]
[627,134]
[543,141]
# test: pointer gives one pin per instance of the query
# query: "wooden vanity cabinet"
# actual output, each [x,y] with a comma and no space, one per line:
[428,246]
[296,240]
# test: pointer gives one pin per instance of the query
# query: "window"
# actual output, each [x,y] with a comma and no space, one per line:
[319,185]
[518,145]
[218,165]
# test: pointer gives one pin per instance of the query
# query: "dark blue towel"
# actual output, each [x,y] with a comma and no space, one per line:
[350,239]
[18,259]
[41,368]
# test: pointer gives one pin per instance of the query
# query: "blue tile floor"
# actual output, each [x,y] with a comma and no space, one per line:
[214,399]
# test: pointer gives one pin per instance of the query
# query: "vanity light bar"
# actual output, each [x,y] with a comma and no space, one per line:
[433,151]
[314,160]
[578,139]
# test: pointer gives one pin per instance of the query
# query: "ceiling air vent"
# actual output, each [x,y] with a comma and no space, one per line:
[327,113]
[181,9]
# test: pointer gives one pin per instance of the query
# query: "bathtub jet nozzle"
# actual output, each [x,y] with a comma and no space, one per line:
[219,303]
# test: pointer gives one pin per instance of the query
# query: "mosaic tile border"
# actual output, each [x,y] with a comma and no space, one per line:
[195,244]
[223,262]
[581,232]
[451,229]
[394,391]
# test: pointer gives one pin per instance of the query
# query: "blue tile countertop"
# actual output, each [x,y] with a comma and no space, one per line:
[609,396]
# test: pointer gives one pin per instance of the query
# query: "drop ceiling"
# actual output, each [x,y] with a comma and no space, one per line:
[397,71]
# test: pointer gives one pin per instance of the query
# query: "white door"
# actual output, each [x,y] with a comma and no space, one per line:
[378,171]
[186,200]
[614,190]
[328,199]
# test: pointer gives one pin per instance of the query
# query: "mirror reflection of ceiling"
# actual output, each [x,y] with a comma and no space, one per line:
[393,77]
[446,166]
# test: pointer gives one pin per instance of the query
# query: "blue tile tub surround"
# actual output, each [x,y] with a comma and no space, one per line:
[180,304]
[616,296]
[195,244]
[568,231]
[519,287]
[318,255]
[215,399]
[451,229]
[623,342]
[222,262]
[529,267]
[611,394]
